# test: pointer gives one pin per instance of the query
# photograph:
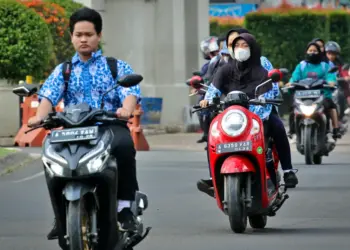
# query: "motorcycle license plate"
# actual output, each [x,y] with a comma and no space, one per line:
[308,93]
[234,147]
[74,134]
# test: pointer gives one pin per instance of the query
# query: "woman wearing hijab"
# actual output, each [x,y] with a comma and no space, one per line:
[232,34]
[245,73]
[314,67]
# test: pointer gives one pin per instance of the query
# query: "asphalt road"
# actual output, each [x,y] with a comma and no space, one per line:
[315,217]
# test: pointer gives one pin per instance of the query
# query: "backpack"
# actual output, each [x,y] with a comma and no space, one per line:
[67,66]
[304,63]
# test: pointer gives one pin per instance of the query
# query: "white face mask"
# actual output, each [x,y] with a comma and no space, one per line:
[242,55]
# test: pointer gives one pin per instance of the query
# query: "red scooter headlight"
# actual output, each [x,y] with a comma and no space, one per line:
[234,122]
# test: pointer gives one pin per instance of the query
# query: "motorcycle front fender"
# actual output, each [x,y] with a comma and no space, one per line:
[237,164]
[308,122]
[74,191]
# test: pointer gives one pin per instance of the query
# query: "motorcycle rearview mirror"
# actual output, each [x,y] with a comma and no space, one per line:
[275,75]
[263,88]
[333,69]
[25,91]
[125,81]
[130,80]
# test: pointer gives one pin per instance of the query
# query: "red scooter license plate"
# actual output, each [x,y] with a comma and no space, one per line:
[232,147]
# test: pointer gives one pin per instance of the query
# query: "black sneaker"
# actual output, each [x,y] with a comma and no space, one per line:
[127,220]
[336,134]
[206,186]
[53,235]
[290,179]
[202,140]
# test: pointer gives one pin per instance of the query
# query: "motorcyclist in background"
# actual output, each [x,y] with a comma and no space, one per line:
[210,49]
[248,57]
[333,54]
[320,42]
[314,67]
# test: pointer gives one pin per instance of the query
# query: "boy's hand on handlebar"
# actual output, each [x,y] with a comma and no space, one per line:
[204,103]
[34,121]
[123,113]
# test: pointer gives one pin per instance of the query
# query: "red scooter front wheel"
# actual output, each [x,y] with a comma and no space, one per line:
[235,192]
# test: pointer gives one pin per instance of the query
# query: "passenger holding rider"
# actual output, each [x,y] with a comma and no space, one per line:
[314,67]
[244,73]
[210,49]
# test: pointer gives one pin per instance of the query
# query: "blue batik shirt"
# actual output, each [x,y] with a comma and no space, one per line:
[262,111]
[88,81]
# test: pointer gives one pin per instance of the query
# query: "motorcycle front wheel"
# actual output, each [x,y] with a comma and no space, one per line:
[235,198]
[308,151]
[78,226]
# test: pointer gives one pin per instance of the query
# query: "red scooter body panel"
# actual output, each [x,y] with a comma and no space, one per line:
[238,162]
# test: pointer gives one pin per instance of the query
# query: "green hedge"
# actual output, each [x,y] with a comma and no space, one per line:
[25,42]
[284,36]
[339,31]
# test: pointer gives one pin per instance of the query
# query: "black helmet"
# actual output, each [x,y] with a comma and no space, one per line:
[332,46]
[208,46]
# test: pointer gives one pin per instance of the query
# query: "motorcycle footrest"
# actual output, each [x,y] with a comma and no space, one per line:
[275,208]
[136,239]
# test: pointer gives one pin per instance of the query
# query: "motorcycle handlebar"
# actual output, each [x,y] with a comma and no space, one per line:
[53,121]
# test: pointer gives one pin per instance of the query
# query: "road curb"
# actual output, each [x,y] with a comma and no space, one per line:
[15,161]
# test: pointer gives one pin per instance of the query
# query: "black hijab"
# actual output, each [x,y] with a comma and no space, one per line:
[242,76]
[314,58]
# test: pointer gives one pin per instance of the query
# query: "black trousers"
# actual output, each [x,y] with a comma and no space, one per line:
[124,151]
[274,127]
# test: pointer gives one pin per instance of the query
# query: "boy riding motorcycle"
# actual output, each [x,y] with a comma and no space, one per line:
[333,54]
[314,67]
[244,72]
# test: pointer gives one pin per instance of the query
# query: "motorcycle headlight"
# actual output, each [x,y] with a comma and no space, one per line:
[53,162]
[96,158]
[53,167]
[98,162]
[234,122]
[308,110]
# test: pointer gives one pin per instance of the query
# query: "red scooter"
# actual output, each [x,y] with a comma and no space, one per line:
[243,162]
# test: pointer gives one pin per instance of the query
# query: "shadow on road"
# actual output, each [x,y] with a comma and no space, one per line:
[303,231]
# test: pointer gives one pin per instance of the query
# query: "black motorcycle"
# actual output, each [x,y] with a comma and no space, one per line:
[310,120]
[82,176]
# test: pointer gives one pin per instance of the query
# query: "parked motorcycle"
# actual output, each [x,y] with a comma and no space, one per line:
[310,119]
[82,176]
[243,163]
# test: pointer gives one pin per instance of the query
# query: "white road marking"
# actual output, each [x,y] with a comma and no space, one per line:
[30,177]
